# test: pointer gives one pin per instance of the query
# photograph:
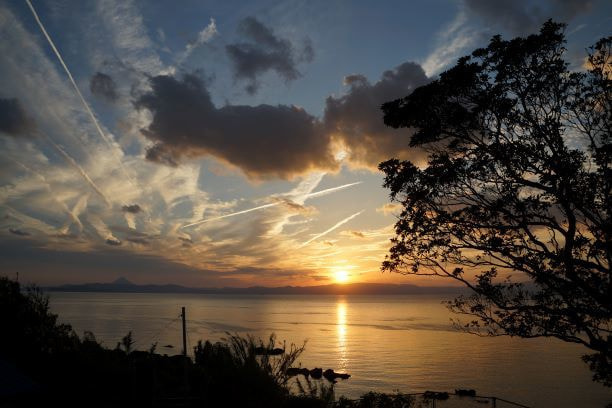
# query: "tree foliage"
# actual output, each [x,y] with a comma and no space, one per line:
[514,200]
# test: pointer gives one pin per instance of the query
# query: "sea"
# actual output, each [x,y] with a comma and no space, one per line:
[390,343]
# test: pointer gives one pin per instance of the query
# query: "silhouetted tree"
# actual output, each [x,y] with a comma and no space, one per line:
[516,190]
[29,329]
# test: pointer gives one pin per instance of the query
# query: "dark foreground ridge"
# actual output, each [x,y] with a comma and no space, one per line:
[125,286]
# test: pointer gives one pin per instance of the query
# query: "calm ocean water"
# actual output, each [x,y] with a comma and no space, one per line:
[386,343]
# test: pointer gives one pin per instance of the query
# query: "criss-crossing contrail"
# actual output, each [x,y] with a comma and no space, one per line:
[261,207]
[274,204]
[327,231]
[78,91]
[45,183]
[82,172]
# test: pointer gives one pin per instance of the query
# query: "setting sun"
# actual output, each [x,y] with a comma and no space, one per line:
[341,276]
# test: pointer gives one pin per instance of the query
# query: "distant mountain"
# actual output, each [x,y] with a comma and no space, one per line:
[125,286]
[122,281]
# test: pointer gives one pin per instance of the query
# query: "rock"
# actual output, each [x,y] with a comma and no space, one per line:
[292,371]
[434,395]
[332,376]
[465,393]
[316,373]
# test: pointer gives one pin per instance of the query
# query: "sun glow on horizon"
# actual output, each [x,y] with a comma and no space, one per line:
[341,276]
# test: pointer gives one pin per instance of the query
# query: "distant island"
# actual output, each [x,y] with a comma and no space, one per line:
[123,285]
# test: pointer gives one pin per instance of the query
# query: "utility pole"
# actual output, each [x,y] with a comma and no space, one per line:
[184,332]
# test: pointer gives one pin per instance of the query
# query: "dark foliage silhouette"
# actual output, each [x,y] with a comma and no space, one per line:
[236,372]
[62,369]
[516,190]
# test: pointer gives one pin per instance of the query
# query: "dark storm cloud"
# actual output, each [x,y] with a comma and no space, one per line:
[13,118]
[357,121]
[263,51]
[132,209]
[103,86]
[523,17]
[261,140]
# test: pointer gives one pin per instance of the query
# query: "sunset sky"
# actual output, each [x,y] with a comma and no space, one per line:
[222,143]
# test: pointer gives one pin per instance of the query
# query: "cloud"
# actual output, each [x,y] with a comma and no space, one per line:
[45,265]
[308,52]
[103,86]
[139,241]
[370,234]
[355,119]
[278,141]
[263,141]
[19,232]
[128,35]
[522,17]
[456,39]
[357,234]
[113,241]
[513,17]
[389,208]
[132,209]
[294,207]
[263,52]
[13,118]
[203,37]
[108,140]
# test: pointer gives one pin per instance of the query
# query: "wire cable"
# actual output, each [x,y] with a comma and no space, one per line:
[159,332]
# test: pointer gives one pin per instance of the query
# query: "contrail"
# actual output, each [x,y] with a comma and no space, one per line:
[78,91]
[82,172]
[344,221]
[261,207]
[329,190]
[48,188]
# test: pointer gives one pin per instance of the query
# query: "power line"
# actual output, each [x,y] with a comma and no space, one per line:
[157,334]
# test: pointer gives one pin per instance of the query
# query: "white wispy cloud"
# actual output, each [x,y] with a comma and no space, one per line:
[112,146]
[451,43]
[203,37]
[301,198]
[80,170]
[128,35]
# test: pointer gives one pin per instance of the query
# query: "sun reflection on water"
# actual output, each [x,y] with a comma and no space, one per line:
[341,326]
